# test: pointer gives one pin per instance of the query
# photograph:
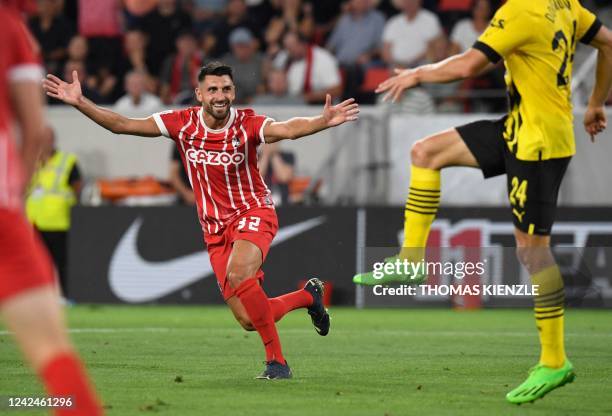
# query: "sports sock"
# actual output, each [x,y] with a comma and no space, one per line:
[64,376]
[421,207]
[549,311]
[258,308]
[281,305]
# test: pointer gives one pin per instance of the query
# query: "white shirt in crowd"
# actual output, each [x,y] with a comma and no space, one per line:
[464,34]
[325,73]
[149,103]
[409,38]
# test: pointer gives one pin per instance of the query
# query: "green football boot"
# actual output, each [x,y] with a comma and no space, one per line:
[541,380]
[396,276]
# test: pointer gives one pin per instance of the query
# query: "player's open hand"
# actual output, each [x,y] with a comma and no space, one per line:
[347,110]
[397,84]
[63,91]
[595,121]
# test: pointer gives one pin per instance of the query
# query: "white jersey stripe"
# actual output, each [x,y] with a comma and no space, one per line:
[227,179]
[190,167]
[246,159]
[26,72]
[203,195]
[238,173]
[261,129]
[218,223]
[160,124]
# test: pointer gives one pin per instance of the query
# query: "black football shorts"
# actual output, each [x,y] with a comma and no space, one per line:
[533,186]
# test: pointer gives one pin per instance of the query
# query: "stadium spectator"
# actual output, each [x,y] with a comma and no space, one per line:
[443,95]
[463,36]
[235,16]
[247,63]
[205,13]
[451,11]
[135,49]
[78,49]
[101,81]
[163,27]
[357,35]
[325,13]
[467,31]
[288,15]
[276,168]
[355,42]
[179,73]
[179,181]
[99,18]
[137,99]
[100,22]
[53,32]
[53,191]
[135,57]
[408,35]
[262,11]
[136,11]
[277,91]
[312,71]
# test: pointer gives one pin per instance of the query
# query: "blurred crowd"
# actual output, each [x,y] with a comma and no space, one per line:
[142,54]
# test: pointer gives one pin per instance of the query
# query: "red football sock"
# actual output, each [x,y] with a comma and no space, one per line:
[258,308]
[64,376]
[281,305]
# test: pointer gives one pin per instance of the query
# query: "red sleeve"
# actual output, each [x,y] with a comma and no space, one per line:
[171,122]
[20,51]
[255,124]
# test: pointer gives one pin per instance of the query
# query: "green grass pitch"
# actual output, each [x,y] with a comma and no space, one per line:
[197,361]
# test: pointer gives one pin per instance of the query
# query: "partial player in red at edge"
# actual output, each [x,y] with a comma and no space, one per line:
[29,299]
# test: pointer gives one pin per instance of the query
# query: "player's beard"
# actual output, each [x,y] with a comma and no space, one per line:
[217,113]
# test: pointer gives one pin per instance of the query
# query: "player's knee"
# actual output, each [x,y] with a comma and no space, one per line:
[421,155]
[235,278]
[238,273]
[534,258]
[245,323]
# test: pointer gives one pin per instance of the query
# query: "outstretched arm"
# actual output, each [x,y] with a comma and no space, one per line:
[465,65]
[298,127]
[595,117]
[116,123]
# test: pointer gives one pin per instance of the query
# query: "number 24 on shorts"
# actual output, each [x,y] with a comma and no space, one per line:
[250,223]
[518,193]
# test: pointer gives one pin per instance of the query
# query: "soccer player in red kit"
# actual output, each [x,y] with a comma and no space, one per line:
[29,300]
[218,146]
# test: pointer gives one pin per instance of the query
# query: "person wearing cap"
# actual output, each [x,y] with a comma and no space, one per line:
[247,63]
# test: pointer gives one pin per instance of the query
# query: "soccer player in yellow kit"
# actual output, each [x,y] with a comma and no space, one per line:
[532,145]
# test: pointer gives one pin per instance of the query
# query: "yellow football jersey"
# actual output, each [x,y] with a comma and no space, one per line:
[537,40]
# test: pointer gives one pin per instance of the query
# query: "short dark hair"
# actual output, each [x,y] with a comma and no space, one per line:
[215,68]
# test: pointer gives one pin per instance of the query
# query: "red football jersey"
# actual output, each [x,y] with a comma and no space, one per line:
[221,164]
[18,62]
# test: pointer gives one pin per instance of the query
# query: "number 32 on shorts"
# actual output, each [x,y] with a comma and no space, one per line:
[249,223]
[518,193]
